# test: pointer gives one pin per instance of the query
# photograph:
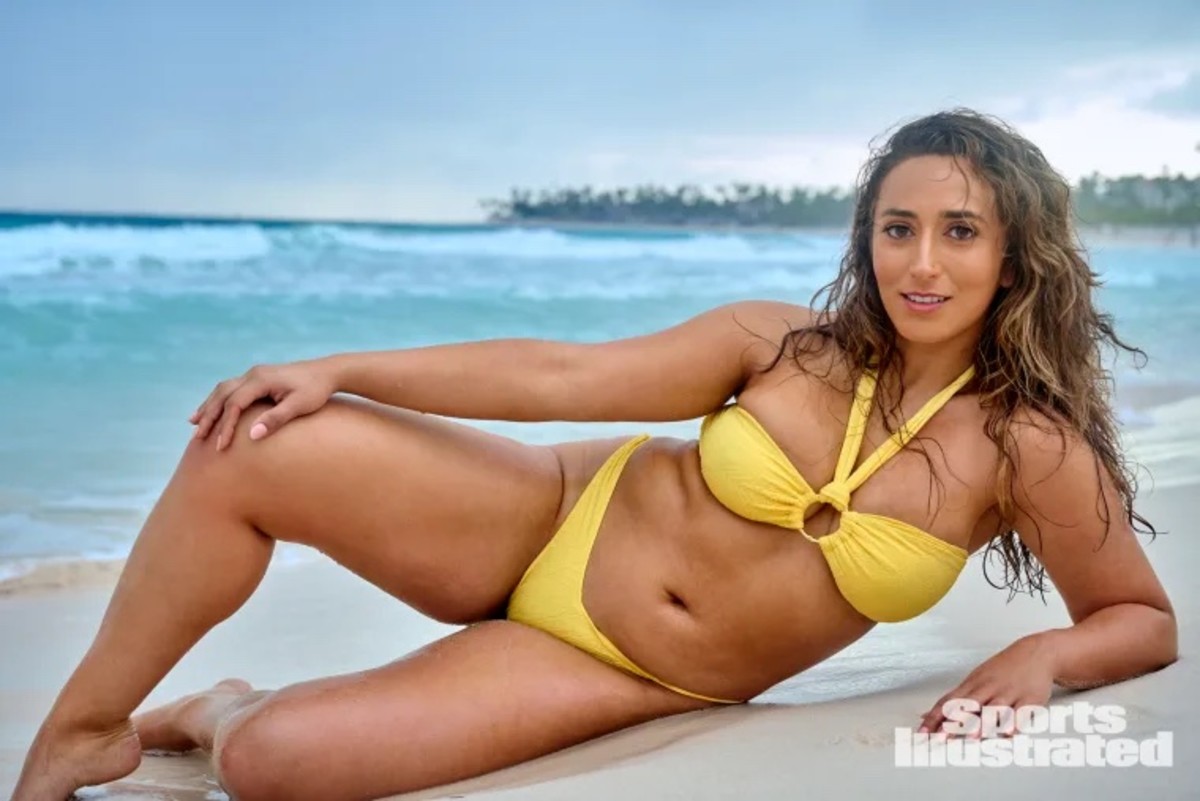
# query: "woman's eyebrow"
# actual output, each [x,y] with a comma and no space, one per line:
[949,214]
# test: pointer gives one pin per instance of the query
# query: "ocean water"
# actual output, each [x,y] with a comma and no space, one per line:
[113,331]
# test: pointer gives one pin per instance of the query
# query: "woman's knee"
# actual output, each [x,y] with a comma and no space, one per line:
[243,460]
[203,453]
[259,754]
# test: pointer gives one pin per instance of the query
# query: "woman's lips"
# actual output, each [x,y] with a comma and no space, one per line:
[922,302]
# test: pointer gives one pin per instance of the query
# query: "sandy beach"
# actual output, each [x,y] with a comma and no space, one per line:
[314,619]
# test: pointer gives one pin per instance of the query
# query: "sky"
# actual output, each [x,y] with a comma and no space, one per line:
[418,109]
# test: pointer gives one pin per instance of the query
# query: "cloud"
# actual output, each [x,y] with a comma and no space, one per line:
[1087,116]
[709,160]
[1116,138]
[419,110]
[818,161]
[1183,100]
[1106,116]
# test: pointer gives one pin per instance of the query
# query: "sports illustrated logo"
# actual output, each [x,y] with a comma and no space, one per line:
[1079,735]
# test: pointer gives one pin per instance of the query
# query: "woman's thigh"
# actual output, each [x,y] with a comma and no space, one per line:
[443,516]
[492,695]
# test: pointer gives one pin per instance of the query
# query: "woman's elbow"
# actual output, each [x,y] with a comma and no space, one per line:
[1164,631]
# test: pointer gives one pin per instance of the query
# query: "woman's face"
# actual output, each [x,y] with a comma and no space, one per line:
[937,249]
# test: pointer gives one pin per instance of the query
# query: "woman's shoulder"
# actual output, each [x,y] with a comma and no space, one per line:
[771,318]
[766,327]
[1037,433]
[1052,460]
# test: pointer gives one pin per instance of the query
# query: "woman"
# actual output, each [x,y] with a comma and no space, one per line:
[611,582]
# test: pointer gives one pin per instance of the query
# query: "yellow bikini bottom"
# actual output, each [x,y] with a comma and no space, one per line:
[550,594]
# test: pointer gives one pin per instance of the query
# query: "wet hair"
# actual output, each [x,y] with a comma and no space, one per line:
[1041,346]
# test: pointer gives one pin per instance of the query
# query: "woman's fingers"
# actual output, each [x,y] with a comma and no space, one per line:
[994,715]
[1007,723]
[932,720]
[271,420]
[199,413]
[937,717]
[231,410]
[210,411]
[295,390]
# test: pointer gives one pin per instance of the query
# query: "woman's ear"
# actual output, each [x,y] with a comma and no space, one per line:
[1008,269]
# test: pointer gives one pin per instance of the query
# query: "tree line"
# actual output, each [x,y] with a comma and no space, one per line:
[1128,200]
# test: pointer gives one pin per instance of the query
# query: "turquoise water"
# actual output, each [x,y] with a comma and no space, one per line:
[112,331]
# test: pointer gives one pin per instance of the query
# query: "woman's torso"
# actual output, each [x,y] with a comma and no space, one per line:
[725,606]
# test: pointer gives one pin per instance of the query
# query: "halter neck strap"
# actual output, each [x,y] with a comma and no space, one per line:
[860,410]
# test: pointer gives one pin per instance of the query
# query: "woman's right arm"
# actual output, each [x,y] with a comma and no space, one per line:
[677,373]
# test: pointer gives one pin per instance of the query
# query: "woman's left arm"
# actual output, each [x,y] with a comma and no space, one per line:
[1072,520]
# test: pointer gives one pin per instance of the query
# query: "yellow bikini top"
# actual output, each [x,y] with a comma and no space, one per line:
[887,569]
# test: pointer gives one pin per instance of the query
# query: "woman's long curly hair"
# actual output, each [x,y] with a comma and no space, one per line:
[1041,345]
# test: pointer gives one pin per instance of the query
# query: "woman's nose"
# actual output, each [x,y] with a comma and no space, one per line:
[925,260]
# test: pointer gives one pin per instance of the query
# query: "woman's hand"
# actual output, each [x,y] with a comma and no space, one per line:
[298,388]
[1021,674]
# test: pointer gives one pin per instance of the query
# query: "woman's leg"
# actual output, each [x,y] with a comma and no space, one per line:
[492,695]
[442,516]
[190,722]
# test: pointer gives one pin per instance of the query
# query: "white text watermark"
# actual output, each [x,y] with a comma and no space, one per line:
[1075,735]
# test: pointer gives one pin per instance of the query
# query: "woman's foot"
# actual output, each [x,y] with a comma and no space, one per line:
[61,761]
[176,726]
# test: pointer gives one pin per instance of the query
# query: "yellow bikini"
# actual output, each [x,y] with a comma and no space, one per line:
[550,594]
[887,569]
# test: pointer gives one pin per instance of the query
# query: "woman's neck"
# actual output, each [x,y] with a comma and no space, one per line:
[928,368]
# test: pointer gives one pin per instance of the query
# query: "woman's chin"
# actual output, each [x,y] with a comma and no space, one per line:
[928,334]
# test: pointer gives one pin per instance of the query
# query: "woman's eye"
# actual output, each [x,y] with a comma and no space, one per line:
[895,230]
[962,232]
